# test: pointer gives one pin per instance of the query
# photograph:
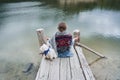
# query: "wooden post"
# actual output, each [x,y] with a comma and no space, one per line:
[89,49]
[41,37]
[76,34]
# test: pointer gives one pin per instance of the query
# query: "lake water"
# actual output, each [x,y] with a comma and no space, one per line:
[98,22]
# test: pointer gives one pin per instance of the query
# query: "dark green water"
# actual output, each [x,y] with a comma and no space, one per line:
[99,23]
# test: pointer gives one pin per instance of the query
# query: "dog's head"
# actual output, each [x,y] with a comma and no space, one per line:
[43,48]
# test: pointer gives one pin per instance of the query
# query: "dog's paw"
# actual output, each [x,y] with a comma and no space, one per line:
[48,59]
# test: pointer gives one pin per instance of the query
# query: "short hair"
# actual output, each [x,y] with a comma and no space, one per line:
[62,25]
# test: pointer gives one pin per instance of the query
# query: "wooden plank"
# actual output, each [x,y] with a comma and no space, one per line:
[54,70]
[87,71]
[64,69]
[69,74]
[89,49]
[43,71]
[76,70]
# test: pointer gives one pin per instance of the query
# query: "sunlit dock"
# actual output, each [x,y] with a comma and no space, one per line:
[73,68]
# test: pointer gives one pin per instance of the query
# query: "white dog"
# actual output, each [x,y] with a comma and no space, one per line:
[48,52]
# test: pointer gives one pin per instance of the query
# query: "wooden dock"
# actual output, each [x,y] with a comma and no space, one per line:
[73,68]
